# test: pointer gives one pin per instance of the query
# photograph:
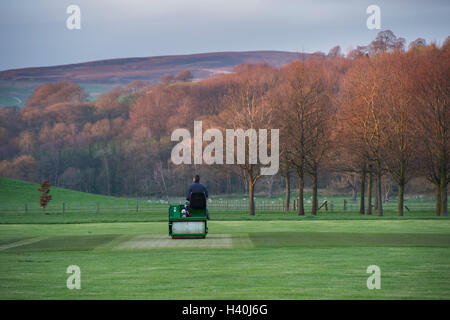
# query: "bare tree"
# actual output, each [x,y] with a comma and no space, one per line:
[398,135]
[305,110]
[364,102]
[244,107]
[432,114]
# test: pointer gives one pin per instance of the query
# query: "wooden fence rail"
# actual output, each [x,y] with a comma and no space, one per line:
[145,206]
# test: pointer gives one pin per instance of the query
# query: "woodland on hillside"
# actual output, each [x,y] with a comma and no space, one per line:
[375,118]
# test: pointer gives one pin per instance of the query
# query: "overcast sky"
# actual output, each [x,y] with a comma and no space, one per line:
[34,32]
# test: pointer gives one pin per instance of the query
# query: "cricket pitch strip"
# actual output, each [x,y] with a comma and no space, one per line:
[157,242]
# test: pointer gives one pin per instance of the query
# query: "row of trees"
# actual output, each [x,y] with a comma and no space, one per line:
[380,113]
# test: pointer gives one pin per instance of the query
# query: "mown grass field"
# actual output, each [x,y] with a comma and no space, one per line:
[265,260]
[274,255]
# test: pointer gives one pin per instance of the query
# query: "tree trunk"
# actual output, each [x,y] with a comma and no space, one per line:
[301,185]
[386,196]
[108,180]
[163,180]
[443,186]
[369,196]
[251,199]
[378,193]
[401,191]
[375,205]
[354,194]
[315,201]
[271,179]
[438,200]
[444,200]
[287,199]
[363,186]
[57,167]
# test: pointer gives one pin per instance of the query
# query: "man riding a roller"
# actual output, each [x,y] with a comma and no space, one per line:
[196,186]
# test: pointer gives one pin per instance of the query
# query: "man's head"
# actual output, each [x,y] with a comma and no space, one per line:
[197,178]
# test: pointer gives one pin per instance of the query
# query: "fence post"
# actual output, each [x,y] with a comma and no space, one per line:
[137,205]
[26,208]
[63,207]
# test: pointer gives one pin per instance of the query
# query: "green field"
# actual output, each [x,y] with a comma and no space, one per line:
[23,191]
[274,255]
[238,260]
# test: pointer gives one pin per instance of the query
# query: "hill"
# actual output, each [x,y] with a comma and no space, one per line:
[124,70]
[12,190]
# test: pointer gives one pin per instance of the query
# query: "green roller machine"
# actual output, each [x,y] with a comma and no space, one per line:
[189,221]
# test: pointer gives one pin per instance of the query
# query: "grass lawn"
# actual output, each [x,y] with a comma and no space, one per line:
[124,254]
[325,259]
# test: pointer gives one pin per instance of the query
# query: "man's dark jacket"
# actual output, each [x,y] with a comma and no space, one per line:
[196,187]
